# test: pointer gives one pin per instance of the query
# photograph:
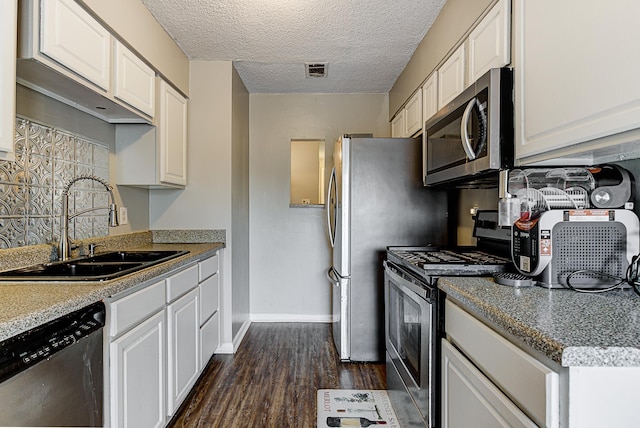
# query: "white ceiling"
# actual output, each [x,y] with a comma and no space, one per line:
[367,43]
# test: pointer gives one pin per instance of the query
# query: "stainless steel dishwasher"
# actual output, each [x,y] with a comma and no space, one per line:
[52,375]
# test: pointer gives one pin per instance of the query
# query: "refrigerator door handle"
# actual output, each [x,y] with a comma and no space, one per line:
[333,276]
[330,206]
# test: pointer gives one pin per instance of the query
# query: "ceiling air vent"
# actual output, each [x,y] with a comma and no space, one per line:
[316,69]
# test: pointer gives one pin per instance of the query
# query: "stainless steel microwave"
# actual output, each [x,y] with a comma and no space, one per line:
[471,136]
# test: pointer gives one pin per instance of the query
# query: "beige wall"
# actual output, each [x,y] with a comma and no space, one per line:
[240,203]
[216,196]
[290,252]
[136,26]
[450,27]
[206,201]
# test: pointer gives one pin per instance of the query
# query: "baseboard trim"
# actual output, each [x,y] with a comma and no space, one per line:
[291,318]
[241,333]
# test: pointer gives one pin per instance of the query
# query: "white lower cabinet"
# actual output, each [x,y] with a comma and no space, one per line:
[469,399]
[209,339]
[138,375]
[491,379]
[183,348]
[158,343]
[209,289]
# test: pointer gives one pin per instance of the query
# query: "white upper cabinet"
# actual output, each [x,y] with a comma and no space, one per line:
[451,77]
[490,41]
[413,114]
[172,131]
[430,97]
[8,28]
[70,36]
[162,148]
[576,78]
[134,81]
[397,125]
[66,54]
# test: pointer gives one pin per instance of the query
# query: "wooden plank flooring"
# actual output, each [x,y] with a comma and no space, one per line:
[273,378]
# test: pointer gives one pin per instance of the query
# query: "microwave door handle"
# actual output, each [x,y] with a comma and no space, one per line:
[329,206]
[464,136]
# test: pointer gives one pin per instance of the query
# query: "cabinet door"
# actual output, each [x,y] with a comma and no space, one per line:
[138,376]
[413,114]
[209,339]
[397,125]
[183,348]
[575,78]
[70,36]
[429,97]
[490,41]
[172,129]
[451,77]
[8,40]
[469,399]
[135,81]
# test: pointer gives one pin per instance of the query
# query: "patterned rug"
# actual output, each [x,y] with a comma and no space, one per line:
[355,408]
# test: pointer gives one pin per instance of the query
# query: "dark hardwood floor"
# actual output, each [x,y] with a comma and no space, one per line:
[273,378]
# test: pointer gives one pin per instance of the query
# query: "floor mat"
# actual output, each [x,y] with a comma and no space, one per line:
[355,408]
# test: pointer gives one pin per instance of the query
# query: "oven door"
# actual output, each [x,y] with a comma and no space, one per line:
[410,309]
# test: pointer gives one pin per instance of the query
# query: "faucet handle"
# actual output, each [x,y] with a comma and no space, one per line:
[92,249]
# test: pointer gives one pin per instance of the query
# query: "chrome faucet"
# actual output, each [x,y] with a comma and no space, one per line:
[64,246]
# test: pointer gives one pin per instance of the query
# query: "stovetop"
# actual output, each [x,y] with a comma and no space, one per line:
[489,256]
[443,261]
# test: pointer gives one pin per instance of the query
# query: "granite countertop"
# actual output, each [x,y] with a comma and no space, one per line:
[573,329]
[28,304]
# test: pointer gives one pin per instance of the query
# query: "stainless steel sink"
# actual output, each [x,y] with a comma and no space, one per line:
[100,267]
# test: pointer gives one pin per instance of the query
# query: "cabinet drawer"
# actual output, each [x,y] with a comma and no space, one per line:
[209,339]
[469,399]
[208,298]
[181,282]
[208,267]
[531,384]
[132,309]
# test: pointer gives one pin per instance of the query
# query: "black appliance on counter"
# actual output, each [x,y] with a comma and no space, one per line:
[414,313]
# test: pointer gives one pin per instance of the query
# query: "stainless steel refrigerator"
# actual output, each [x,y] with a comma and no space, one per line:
[375,199]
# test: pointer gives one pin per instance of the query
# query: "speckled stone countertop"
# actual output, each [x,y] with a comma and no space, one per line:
[24,305]
[571,328]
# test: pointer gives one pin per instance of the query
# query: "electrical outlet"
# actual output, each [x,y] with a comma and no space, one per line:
[124,216]
[306,201]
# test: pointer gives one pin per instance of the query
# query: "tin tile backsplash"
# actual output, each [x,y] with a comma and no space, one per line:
[46,158]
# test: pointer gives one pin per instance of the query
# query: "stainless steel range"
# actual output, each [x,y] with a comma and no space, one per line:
[414,315]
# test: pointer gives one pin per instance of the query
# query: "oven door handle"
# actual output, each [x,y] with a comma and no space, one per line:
[397,275]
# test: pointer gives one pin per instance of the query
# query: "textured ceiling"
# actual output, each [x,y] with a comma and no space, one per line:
[366,43]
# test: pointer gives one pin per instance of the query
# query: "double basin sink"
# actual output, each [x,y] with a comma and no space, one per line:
[101,267]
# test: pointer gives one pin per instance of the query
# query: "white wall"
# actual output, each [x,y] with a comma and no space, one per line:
[289,250]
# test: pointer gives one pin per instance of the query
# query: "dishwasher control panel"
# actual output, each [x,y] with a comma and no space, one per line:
[20,352]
